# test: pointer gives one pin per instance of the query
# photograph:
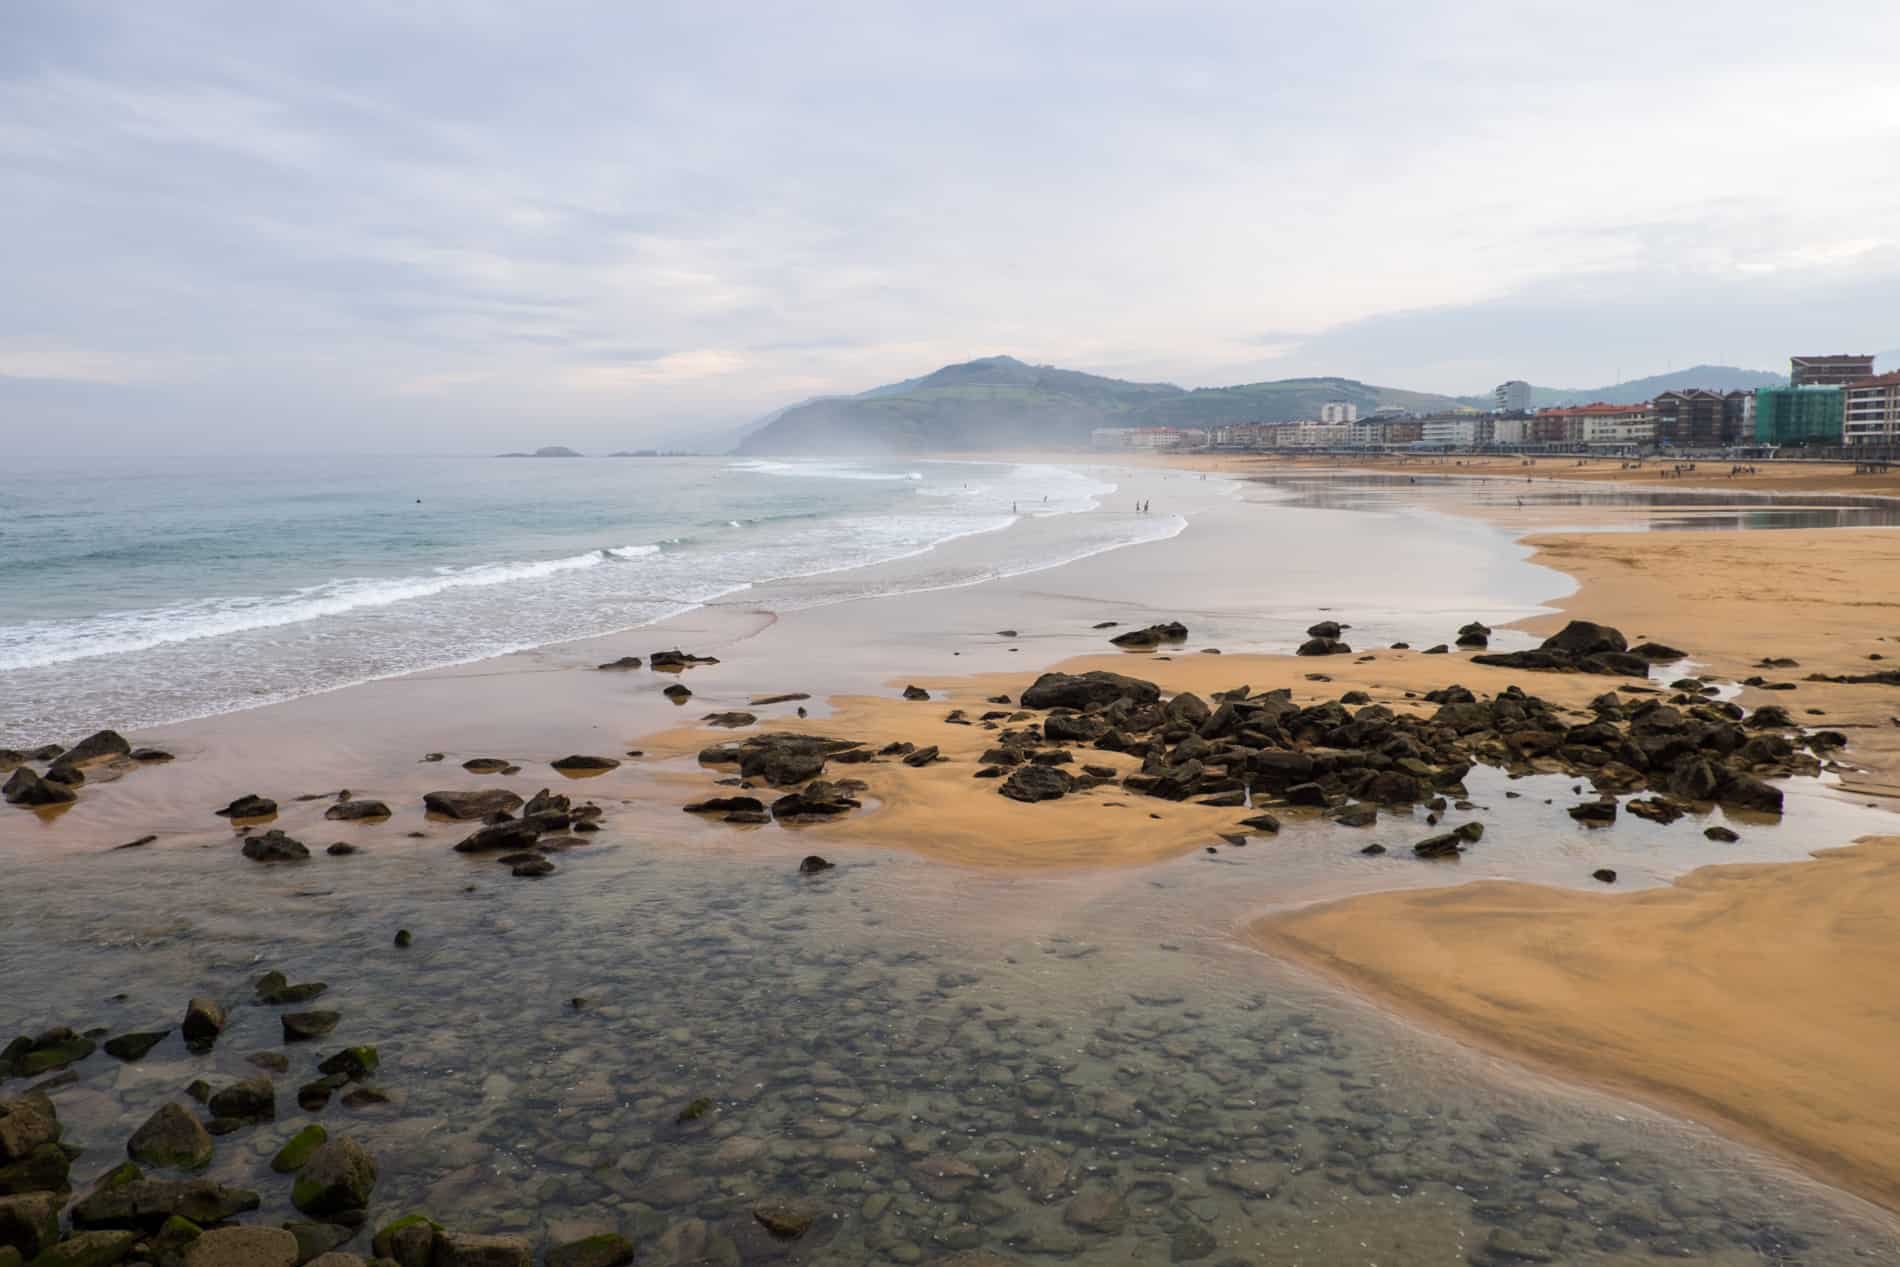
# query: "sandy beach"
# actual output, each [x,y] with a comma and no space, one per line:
[1656,989]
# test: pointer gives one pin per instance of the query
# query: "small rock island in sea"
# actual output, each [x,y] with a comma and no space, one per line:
[546,451]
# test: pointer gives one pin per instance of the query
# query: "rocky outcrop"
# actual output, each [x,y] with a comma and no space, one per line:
[99,746]
[1323,646]
[1579,647]
[676,660]
[336,1180]
[1153,635]
[1087,690]
[356,811]
[27,789]
[274,846]
[252,806]
[464,806]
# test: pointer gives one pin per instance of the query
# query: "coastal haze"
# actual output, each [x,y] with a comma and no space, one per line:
[711,635]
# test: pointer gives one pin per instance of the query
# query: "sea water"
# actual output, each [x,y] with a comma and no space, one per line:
[140,591]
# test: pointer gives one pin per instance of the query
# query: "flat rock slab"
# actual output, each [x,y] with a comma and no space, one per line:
[243,1247]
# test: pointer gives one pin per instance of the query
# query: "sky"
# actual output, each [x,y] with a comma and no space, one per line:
[455,226]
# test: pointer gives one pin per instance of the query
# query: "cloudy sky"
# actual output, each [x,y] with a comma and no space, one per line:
[447,225]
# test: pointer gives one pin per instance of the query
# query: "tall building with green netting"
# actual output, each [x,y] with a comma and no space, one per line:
[1798,415]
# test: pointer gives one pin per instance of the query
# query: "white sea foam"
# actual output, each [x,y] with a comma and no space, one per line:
[40,643]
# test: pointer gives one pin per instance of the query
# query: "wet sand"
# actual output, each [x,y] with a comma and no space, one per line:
[1698,590]
[1781,477]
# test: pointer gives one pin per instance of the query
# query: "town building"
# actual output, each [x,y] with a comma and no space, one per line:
[1596,425]
[1828,371]
[1511,431]
[1369,434]
[1308,434]
[1871,411]
[1400,431]
[1798,415]
[1146,438]
[1456,431]
[1339,411]
[1698,418]
[1513,397]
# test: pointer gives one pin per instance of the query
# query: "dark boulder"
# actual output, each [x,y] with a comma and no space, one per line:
[812,864]
[676,660]
[914,692]
[502,837]
[1323,646]
[97,746]
[1037,783]
[274,846]
[1721,834]
[1745,791]
[624,662]
[252,806]
[1594,813]
[356,811]
[578,764]
[1152,636]
[1583,637]
[465,806]
[23,787]
[1658,651]
[1088,690]
[1474,635]
[1328,629]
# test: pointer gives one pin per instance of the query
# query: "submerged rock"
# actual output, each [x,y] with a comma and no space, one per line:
[24,787]
[274,846]
[356,811]
[1152,636]
[336,1180]
[251,806]
[173,1138]
[471,805]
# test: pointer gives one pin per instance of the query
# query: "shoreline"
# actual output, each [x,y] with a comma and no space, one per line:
[546,701]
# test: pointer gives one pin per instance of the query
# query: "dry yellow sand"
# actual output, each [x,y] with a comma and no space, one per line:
[1758,997]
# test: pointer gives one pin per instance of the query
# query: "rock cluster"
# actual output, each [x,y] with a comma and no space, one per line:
[1582,647]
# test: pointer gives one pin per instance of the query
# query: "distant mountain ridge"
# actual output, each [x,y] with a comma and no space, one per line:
[1717,378]
[999,402]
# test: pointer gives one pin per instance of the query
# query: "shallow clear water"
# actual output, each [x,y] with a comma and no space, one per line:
[1077,1069]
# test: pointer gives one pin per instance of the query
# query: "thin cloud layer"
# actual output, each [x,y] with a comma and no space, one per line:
[458,226]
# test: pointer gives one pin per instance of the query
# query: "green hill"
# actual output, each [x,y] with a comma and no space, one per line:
[1000,402]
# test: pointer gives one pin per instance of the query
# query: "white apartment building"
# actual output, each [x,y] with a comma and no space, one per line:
[1366,435]
[1339,411]
[1142,438]
[1871,411]
[1629,427]
[1308,434]
[1511,431]
[1451,433]
[1513,396]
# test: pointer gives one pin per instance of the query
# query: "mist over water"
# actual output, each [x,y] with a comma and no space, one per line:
[139,592]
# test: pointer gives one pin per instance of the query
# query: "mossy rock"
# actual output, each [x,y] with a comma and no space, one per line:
[173,1238]
[355,1063]
[44,1169]
[172,1137]
[87,1249]
[134,1046]
[292,1156]
[54,1055]
[608,1249]
[408,1241]
[336,1179]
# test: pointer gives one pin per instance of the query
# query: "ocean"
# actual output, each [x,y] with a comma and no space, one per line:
[135,592]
